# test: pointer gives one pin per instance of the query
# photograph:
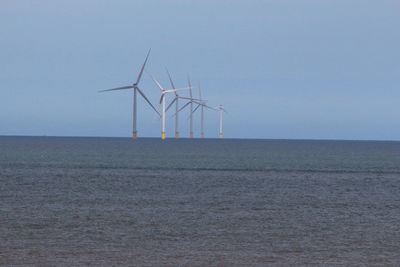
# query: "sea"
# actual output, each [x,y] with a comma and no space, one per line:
[73,201]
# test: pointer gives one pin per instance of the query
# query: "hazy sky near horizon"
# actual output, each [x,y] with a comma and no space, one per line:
[283,69]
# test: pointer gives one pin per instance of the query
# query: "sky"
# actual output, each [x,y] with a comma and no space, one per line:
[283,69]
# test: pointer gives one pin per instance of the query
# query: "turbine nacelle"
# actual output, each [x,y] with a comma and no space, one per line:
[220,108]
[164,91]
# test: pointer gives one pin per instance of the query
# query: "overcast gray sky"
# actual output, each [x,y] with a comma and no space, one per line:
[283,69]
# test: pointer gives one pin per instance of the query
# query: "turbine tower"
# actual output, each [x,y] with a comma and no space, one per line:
[202,115]
[136,89]
[221,109]
[176,100]
[191,110]
[162,102]
[201,104]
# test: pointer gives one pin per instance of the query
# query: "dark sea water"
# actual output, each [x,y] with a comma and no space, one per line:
[118,202]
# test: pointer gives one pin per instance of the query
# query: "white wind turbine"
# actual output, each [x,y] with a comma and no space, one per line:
[136,89]
[162,102]
[221,109]
[191,101]
[176,101]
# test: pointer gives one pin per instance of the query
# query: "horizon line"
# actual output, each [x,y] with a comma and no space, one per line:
[210,138]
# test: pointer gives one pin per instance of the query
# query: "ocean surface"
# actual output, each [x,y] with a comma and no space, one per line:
[118,202]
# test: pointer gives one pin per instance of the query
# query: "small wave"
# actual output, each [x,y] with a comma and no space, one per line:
[201,169]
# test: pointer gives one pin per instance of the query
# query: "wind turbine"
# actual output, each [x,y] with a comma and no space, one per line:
[136,89]
[176,101]
[191,110]
[221,109]
[201,104]
[162,101]
[190,102]
[202,114]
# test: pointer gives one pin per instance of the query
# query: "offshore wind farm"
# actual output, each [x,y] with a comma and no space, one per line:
[162,111]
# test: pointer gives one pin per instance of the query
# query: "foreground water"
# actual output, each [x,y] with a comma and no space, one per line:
[114,201]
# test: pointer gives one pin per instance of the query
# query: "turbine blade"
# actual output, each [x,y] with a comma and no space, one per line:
[144,64]
[170,80]
[209,107]
[188,77]
[188,98]
[161,99]
[184,106]
[148,101]
[170,104]
[200,92]
[175,90]
[190,86]
[118,88]
[197,102]
[196,108]
[156,82]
